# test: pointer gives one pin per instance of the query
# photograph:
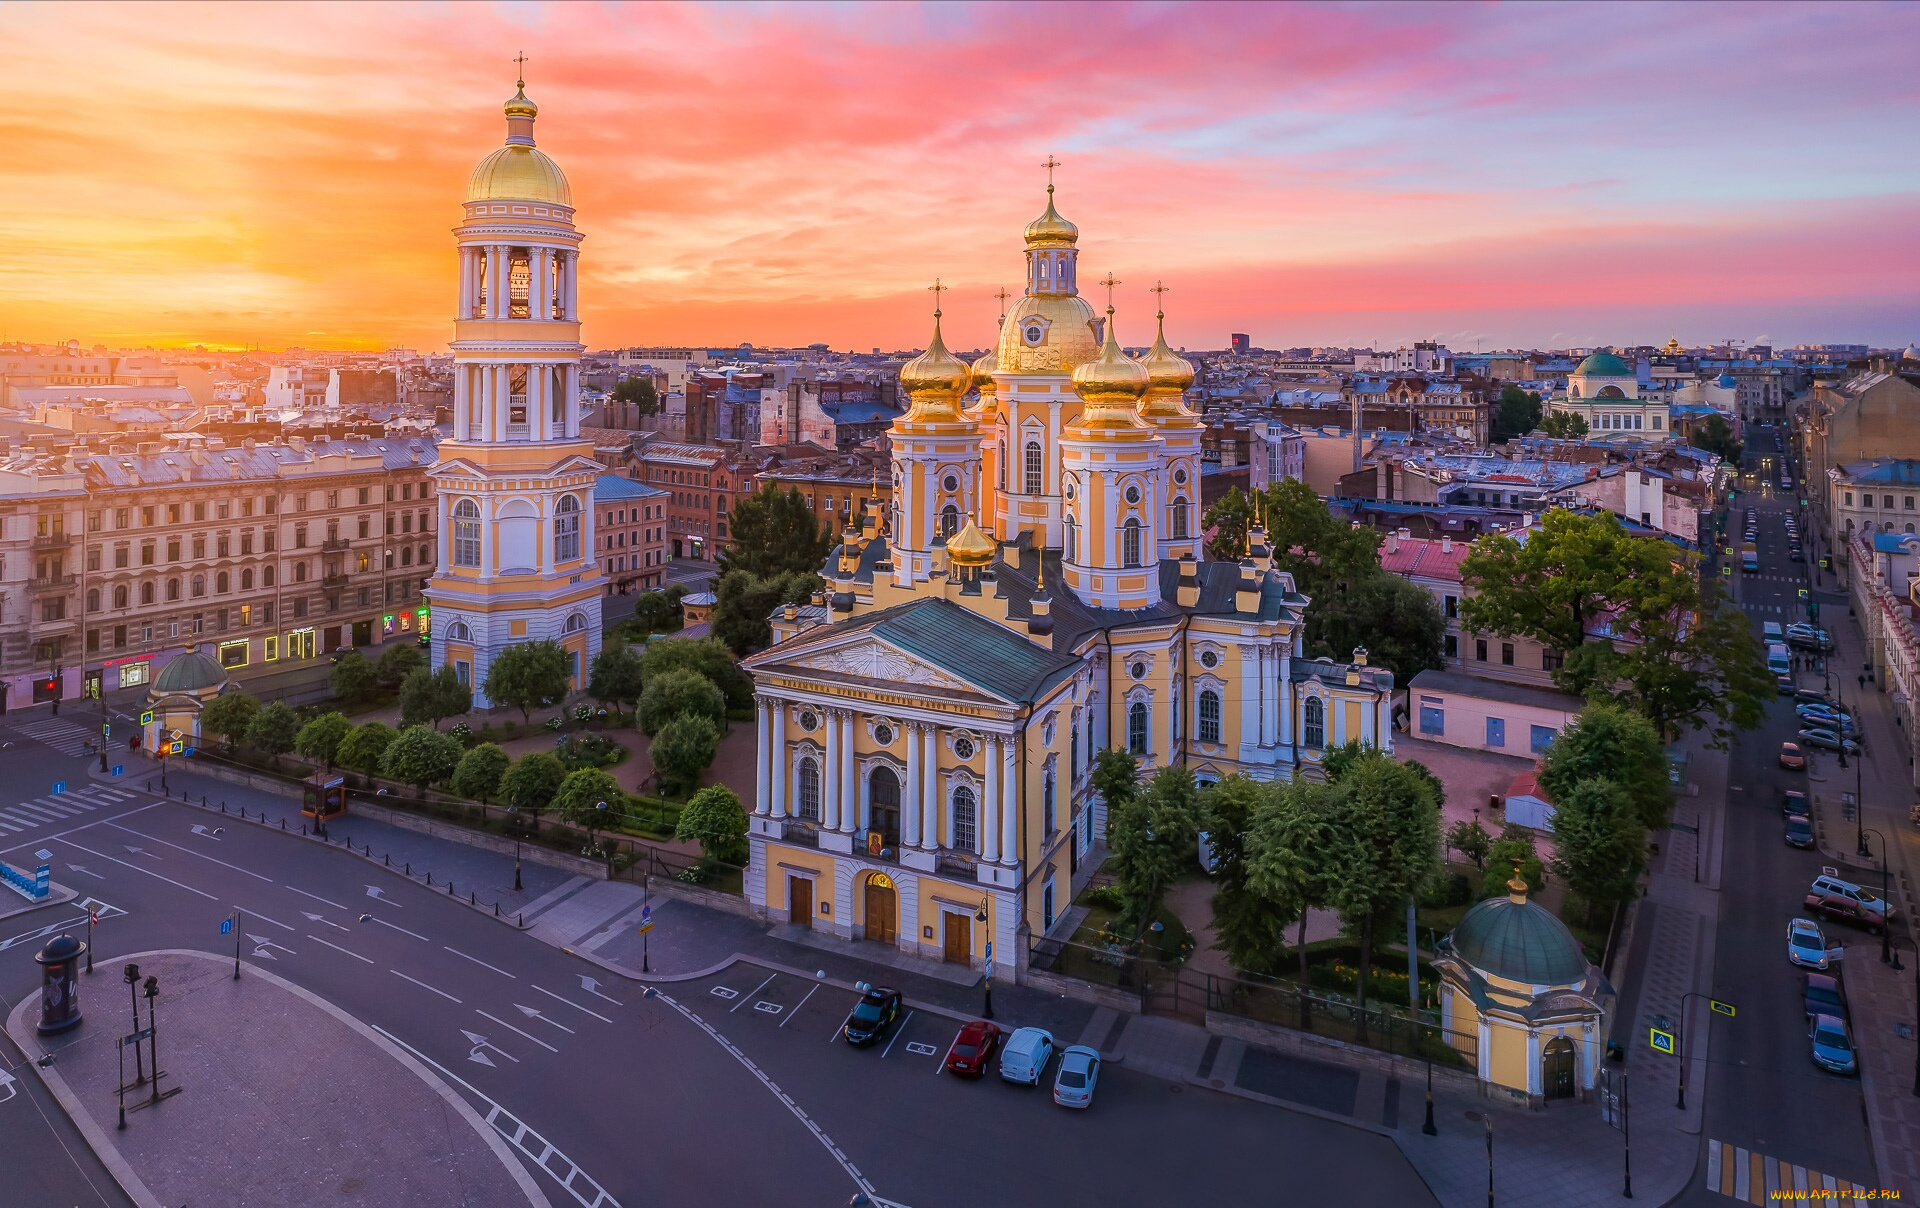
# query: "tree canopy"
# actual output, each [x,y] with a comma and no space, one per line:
[1599,842]
[228,715]
[1248,927]
[709,657]
[1565,425]
[581,794]
[480,772]
[683,749]
[430,697]
[773,533]
[320,739]
[676,693]
[1230,517]
[362,749]
[1152,837]
[397,662]
[639,393]
[273,730]
[529,676]
[1610,742]
[1715,435]
[614,675]
[1516,412]
[715,818]
[353,677]
[743,602]
[421,756]
[531,782]
[1288,854]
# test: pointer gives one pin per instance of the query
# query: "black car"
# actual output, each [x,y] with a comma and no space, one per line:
[1794,804]
[873,1016]
[1824,995]
[1799,834]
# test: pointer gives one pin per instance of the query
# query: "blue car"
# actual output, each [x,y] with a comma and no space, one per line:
[1832,1045]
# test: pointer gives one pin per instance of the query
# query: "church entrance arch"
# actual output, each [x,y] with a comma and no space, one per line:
[1556,1068]
[883,800]
[882,909]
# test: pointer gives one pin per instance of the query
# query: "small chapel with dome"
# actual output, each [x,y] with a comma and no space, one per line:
[1035,593]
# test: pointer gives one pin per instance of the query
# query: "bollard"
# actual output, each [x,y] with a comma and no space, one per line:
[303,830]
[223,807]
[388,858]
[519,920]
[449,888]
[429,878]
[203,801]
[409,867]
[496,910]
[283,824]
[473,898]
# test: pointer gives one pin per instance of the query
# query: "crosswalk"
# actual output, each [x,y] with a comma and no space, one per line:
[58,807]
[57,732]
[1755,1178]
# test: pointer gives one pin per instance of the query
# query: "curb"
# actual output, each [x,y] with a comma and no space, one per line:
[60,893]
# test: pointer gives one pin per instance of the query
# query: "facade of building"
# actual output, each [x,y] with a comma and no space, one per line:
[516,481]
[1605,391]
[838,490]
[927,725]
[1867,416]
[703,484]
[1878,495]
[1487,715]
[1434,564]
[632,533]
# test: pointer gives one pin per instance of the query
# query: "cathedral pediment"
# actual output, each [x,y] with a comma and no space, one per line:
[876,660]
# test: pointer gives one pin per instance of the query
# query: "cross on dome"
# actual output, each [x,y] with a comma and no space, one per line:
[1110,281]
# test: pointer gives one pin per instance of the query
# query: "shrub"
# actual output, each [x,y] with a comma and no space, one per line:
[586,750]
[1447,889]
[1105,897]
[715,817]
[676,692]
[684,748]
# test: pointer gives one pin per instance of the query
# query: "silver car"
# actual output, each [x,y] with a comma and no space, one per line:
[1025,1056]
[1079,1070]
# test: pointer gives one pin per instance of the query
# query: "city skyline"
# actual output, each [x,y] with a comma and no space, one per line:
[271,177]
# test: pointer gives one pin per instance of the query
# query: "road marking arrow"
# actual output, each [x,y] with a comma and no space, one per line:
[6,1084]
[480,1042]
[374,891]
[88,871]
[139,851]
[264,943]
[534,1013]
[321,918]
[592,986]
[204,833]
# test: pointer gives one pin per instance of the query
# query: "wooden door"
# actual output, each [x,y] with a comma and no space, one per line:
[799,901]
[881,923]
[959,938]
[1556,1069]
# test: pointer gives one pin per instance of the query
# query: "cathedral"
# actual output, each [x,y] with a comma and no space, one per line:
[1034,594]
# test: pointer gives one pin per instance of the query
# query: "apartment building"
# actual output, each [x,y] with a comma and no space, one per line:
[838,489]
[702,487]
[1434,564]
[631,533]
[263,554]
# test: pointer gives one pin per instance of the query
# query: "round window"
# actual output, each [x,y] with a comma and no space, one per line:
[1138,671]
[1180,475]
[1069,490]
[808,721]
[1035,334]
[883,734]
[963,747]
[1209,659]
[1133,494]
[950,482]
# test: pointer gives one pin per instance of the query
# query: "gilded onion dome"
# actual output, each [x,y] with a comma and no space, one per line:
[520,171]
[983,367]
[1168,376]
[971,547]
[1110,385]
[1050,228]
[935,380]
[520,106]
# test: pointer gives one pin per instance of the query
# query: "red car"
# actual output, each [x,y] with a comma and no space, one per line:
[1845,909]
[1792,758]
[976,1044]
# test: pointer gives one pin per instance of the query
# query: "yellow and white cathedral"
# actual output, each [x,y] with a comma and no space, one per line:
[516,480]
[1036,594]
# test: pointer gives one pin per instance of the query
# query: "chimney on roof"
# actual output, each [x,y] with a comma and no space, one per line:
[1393,541]
[1446,543]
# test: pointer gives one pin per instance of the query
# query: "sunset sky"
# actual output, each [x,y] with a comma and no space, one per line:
[1549,174]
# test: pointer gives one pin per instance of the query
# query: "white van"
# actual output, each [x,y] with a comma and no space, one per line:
[1774,632]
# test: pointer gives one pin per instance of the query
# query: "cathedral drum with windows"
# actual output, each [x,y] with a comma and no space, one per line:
[516,480]
[927,725]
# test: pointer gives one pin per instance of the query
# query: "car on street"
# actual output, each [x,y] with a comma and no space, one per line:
[1796,555]
[1814,717]
[1832,1045]
[1846,910]
[1824,995]
[1785,684]
[1792,757]
[873,1016]
[1079,1070]
[1799,832]
[1811,696]
[1806,944]
[1024,1057]
[1822,713]
[1827,740]
[1830,881]
[1793,803]
[973,1048]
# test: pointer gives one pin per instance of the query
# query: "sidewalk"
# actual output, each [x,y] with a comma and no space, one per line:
[282,1098]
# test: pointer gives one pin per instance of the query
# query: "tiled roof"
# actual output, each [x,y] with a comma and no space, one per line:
[1423,556]
[1460,683]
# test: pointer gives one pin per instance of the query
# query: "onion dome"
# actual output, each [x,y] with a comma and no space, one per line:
[1912,353]
[520,106]
[1050,228]
[970,547]
[935,380]
[1168,375]
[519,171]
[1110,385]
[1518,940]
[983,368]
[1604,364]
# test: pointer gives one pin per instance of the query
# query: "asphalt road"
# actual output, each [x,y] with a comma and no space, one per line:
[1765,1093]
[691,1097]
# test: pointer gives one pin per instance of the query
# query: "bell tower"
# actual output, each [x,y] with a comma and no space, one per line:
[936,458]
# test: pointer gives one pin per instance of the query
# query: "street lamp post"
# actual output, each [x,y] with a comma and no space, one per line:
[513,812]
[1887,954]
[132,975]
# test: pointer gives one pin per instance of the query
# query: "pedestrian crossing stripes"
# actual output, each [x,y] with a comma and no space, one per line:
[58,733]
[57,807]
[1755,1178]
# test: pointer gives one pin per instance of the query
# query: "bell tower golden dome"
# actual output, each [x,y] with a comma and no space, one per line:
[520,171]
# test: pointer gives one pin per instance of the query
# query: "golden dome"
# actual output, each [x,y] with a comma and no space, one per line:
[1064,325]
[1168,375]
[1110,386]
[1050,228]
[935,380]
[519,173]
[520,106]
[983,367]
[970,546]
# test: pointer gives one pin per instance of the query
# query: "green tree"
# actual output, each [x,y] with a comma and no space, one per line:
[654,611]
[1565,425]
[1115,776]
[583,792]
[1385,843]
[480,772]
[1471,840]
[430,697]
[363,749]
[1248,927]
[531,782]
[1610,742]
[421,756]
[639,393]
[1515,413]
[273,730]
[614,675]
[353,677]
[683,749]
[1230,517]
[709,657]
[743,602]
[1687,658]
[1151,835]
[676,693]
[1513,854]
[529,676]
[1599,843]
[1289,861]
[229,715]
[397,662]
[774,534]
[1715,435]
[320,739]
[1397,622]
[715,818]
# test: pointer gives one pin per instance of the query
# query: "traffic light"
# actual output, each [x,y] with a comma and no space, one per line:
[1813,610]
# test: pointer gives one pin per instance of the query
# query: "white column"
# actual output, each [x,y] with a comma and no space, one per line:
[778,765]
[930,835]
[570,398]
[540,262]
[570,284]
[849,782]
[487,523]
[910,822]
[763,789]
[496,279]
[830,779]
[988,827]
[463,307]
[1009,805]
[1286,701]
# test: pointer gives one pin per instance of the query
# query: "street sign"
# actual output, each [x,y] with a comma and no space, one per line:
[93,918]
[226,925]
[646,925]
[146,717]
[1803,593]
[1721,1008]
[133,1038]
[174,748]
[1662,1042]
[106,730]
[989,958]
[59,786]
[118,768]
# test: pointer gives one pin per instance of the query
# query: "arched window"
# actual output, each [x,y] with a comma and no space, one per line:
[576,623]
[806,790]
[1137,728]
[1209,716]
[1072,551]
[949,520]
[146,591]
[1035,483]
[93,599]
[566,530]
[300,570]
[883,804]
[246,580]
[458,632]
[1046,802]
[266,576]
[1130,541]
[1073,752]
[1000,459]
[1314,723]
[173,592]
[1179,525]
[426,555]
[199,586]
[120,596]
[466,533]
[965,815]
[221,583]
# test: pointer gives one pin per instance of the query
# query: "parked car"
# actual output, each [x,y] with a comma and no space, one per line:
[1827,740]
[1799,832]
[976,1044]
[1807,944]
[1796,555]
[1785,684]
[1825,716]
[1079,1070]
[1824,995]
[873,1016]
[1830,881]
[1793,803]
[1792,757]
[1810,696]
[1024,1057]
[1832,1044]
[1833,906]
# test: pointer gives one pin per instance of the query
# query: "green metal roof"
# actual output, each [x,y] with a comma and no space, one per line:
[1519,941]
[189,672]
[1604,364]
[975,649]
